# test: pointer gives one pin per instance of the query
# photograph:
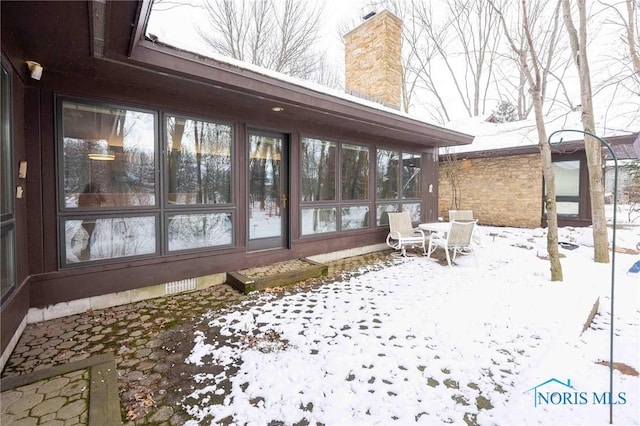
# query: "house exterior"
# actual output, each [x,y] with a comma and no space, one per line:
[129,165]
[499,176]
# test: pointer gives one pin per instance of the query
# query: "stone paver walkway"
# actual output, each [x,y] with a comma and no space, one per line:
[60,400]
[149,340]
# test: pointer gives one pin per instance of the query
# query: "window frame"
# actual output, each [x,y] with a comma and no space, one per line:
[337,171]
[578,199]
[162,210]
[400,200]
[8,219]
[103,215]
[164,175]
[338,203]
[166,220]
[62,208]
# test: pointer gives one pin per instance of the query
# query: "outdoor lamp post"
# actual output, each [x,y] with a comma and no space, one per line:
[613,250]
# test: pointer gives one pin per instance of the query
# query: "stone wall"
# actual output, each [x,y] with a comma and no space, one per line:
[373,67]
[501,191]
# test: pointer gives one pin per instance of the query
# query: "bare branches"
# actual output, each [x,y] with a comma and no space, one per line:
[535,73]
[273,34]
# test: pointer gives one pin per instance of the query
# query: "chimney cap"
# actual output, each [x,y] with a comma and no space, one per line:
[368,15]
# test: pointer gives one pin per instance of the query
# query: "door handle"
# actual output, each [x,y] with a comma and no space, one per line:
[283,200]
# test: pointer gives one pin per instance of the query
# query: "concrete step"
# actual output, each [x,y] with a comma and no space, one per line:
[275,275]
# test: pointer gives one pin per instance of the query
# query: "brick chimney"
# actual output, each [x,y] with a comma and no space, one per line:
[373,67]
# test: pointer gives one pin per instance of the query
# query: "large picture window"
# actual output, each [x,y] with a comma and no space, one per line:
[318,170]
[112,206]
[397,184]
[198,161]
[7,212]
[108,156]
[109,160]
[387,174]
[355,172]
[326,164]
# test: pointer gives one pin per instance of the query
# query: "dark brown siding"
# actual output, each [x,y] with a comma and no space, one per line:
[15,307]
[148,76]
[50,285]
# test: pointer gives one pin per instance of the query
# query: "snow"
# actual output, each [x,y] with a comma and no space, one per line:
[490,136]
[418,342]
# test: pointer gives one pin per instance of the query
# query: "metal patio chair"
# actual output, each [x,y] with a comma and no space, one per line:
[458,239]
[466,216]
[403,234]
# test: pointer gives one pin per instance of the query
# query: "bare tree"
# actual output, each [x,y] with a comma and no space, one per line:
[278,35]
[578,42]
[633,39]
[450,167]
[628,21]
[530,65]
[476,38]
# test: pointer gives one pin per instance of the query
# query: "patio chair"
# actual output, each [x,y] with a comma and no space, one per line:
[460,215]
[466,216]
[403,234]
[458,239]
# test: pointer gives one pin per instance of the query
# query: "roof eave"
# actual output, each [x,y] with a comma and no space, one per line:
[625,147]
[189,65]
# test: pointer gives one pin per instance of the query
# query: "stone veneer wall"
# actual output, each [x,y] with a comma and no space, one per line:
[373,67]
[501,191]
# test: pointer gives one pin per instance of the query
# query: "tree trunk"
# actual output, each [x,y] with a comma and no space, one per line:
[593,149]
[530,68]
[550,191]
[536,83]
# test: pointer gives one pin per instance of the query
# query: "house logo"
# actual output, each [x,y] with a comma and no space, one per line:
[557,392]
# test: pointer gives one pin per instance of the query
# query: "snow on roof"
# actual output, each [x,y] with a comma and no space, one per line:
[491,136]
[225,61]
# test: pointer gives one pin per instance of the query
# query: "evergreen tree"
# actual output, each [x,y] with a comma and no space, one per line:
[505,112]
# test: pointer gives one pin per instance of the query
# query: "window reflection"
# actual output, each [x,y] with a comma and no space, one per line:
[199,230]
[413,209]
[318,220]
[318,170]
[199,161]
[355,172]
[266,198]
[382,213]
[387,174]
[6,190]
[108,238]
[108,156]
[355,217]
[410,176]
[7,213]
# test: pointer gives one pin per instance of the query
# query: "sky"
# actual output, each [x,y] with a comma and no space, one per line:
[335,13]
[418,342]
[614,106]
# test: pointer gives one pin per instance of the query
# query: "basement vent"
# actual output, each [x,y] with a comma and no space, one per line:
[182,285]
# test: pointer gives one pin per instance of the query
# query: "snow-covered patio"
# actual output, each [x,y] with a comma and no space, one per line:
[418,342]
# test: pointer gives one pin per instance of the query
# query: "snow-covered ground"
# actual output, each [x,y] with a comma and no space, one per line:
[418,342]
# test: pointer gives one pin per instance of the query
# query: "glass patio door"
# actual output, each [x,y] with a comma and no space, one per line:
[267,199]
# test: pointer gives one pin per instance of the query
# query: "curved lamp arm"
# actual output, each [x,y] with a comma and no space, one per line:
[613,246]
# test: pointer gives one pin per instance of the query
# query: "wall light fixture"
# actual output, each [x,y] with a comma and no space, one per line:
[35,69]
